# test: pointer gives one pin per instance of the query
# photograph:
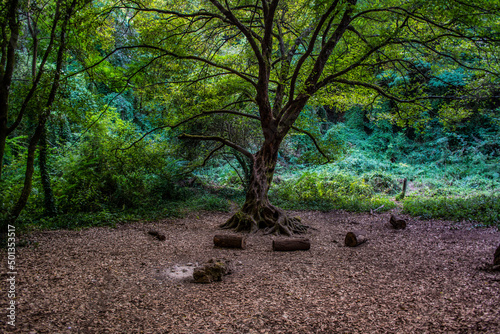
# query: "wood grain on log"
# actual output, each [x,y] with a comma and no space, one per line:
[355,238]
[496,258]
[287,245]
[230,241]
[397,223]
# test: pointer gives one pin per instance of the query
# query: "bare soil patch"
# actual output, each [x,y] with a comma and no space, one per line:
[424,279]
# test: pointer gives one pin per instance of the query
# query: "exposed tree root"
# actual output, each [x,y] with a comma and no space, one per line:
[269,218]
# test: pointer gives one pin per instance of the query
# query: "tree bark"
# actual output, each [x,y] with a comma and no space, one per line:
[287,245]
[28,177]
[44,114]
[397,223]
[257,212]
[49,201]
[230,241]
[355,238]
[8,56]
[3,140]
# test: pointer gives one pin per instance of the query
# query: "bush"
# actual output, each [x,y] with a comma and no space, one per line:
[383,182]
[324,191]
[484,209]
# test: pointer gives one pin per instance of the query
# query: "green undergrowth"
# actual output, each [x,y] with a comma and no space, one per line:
[323,191]
[482,209]
[195,202]
[362,180]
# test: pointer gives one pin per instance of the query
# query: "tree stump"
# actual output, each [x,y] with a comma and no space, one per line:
[213,271]
[287,245]
[230,241]
[496,258]
[397,223]
[355,238]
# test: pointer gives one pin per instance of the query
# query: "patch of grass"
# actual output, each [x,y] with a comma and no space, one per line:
[209,202]
[353,204]
[484,209]
[195,201]
[328,191]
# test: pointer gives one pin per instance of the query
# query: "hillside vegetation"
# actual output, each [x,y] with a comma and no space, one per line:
[148,109]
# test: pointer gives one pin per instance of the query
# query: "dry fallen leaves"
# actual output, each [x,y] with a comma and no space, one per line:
[424,279]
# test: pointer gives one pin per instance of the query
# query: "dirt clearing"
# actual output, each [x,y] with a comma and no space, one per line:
[424,279]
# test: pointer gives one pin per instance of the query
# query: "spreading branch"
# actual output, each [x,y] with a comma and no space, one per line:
[192,118]
[221,140]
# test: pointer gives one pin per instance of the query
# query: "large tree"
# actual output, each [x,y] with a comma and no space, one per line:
[265,60]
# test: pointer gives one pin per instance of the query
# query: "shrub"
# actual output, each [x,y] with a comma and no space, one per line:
[383,182]
[484,209]
[324,191]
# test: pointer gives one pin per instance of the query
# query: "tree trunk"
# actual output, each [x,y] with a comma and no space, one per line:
[257,211]
[28,177]
[8,47]
[4,129]
[3,140]
[49,201]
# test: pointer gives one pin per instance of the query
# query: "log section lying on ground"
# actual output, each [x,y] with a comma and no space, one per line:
[355,238]
[230,241]
[397,223]
[293,244]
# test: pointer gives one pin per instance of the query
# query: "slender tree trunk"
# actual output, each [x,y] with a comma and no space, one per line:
[49,201]
[44,115]
[3,140]
[8,61]
[28,177]
[4,130]
[257,212]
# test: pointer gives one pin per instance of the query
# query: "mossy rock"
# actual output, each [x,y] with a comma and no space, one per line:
[213,271]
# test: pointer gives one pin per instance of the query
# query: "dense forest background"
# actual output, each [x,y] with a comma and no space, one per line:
[93,128]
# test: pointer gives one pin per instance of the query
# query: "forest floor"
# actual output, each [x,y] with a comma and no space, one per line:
[428,278]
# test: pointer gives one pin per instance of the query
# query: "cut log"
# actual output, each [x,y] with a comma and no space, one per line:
[157,235]
[230,241]
[397,223]
[496,258]
[288,245]
[355,238]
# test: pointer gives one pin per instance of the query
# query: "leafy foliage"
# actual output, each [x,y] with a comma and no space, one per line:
[324,191]
[412,101]
[484,209]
